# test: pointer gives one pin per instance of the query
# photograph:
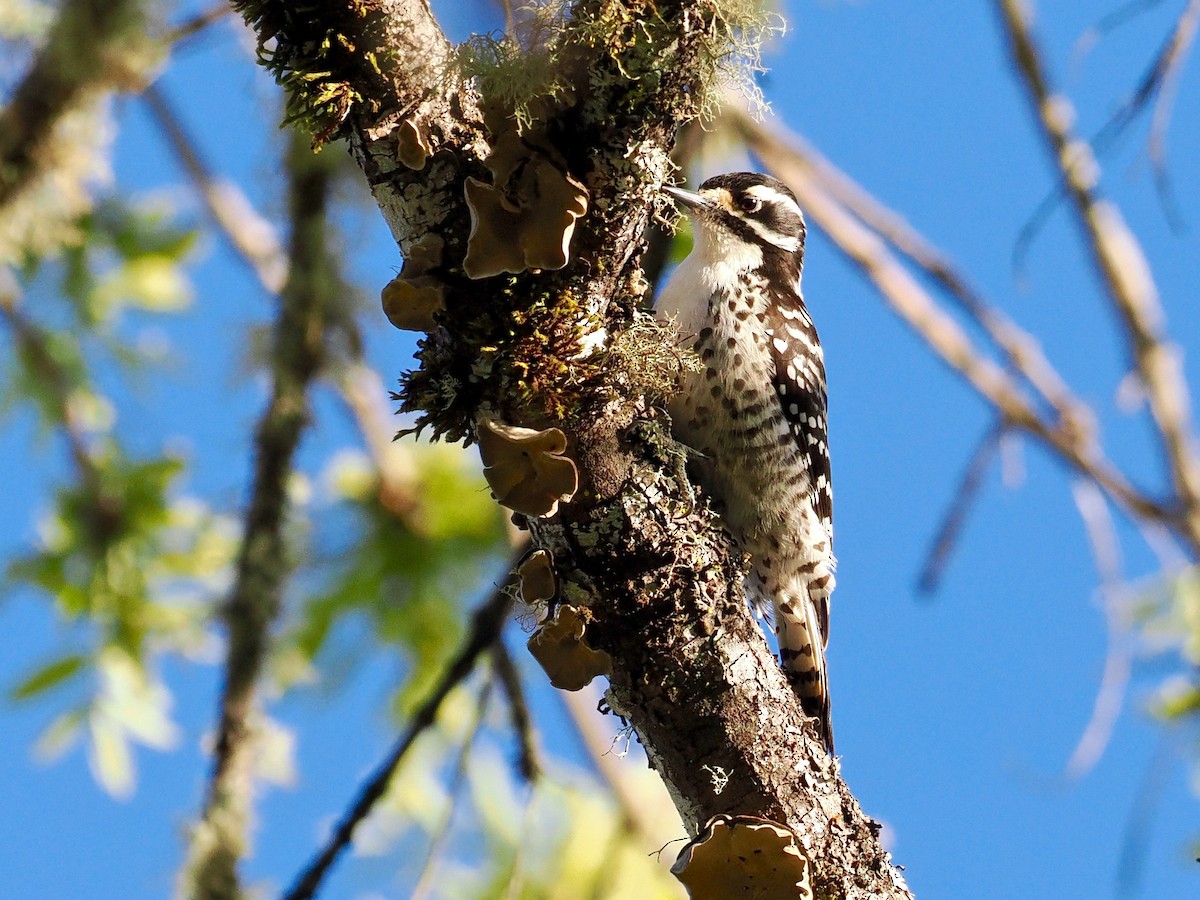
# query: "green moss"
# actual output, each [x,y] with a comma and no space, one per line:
[514,350]
[308,47]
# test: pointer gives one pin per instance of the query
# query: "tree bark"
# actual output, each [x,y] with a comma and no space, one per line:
[692,672]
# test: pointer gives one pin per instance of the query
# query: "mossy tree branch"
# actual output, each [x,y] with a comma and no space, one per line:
[83,53]
[692,671]
[219,839]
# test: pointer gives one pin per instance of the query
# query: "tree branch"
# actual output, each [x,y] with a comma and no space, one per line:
[82,53]
[1124,270]
[484,631]
[250,235]
[1021,352]
[509,679]
[218,840]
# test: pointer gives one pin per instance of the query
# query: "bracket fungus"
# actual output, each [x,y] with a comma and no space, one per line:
[411,298]
[744,857]
[535,573]
[525,219]
[559,647]
[525,468]
[412,148]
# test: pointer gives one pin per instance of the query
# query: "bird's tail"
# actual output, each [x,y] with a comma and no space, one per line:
[802,653]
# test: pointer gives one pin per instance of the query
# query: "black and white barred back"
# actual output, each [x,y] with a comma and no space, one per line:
[756,414]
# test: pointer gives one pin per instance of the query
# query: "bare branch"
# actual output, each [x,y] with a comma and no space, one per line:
[484,631]
[218,840]
[83,53]
[1118,659]
[595,734]
[1135,836]
[189,28]
[1021,351]
[252,237]
[510,681]
[1124,270]
[425,881]
[33,342]
[1173,57]
[956,515]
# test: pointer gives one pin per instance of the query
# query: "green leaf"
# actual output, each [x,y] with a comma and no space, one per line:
[60,735]
[53,674]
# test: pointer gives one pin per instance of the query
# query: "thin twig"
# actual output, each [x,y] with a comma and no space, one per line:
[362,390]
[516,869]
[1118,659]
[33,342]
[1123,14]
[1124,271]
[1169,58]
[425,881]
[1136,834]
[1176,54]
[483,632]
[218,840]
[597,741]
[251,236]
[956,515]
[510,681]
[190,27]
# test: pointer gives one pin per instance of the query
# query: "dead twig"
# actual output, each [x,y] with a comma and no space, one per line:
[1124,270]
[33,343]
[510,682]
[1118,659]
[956,515]
[1020,350]
[1173,57]
[251,236]
[483,632]
[425,881]
[1136,834]
[598,741]
[190,27]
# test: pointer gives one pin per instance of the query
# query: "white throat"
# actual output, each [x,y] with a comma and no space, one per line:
[718,262]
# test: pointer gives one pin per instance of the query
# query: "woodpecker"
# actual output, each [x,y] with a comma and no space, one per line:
[755,415]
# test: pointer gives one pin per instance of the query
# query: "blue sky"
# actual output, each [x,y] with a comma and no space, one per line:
[954,713]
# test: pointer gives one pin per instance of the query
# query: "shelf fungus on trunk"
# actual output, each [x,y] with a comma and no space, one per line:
[744,856]
[525,218]
[536,578]
[411,299]
[559,646]
[412,147]
[526,468]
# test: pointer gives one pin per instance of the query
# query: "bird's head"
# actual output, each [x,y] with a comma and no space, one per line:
[747,211]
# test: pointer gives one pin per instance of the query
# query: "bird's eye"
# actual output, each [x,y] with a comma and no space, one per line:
[750,204]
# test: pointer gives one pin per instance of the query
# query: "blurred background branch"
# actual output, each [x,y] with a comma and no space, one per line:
[307,300]
[1124,269]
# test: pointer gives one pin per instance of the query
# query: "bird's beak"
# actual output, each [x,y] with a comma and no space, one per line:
[688,199]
